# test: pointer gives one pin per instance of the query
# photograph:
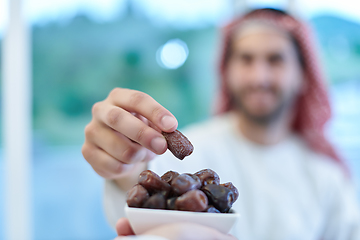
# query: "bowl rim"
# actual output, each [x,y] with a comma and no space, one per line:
[166,211]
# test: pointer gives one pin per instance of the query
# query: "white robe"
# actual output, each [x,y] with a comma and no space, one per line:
[287,191]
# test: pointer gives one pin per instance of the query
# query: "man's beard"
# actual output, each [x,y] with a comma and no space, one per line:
[284,102]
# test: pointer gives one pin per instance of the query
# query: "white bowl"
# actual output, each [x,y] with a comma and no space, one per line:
[144,219]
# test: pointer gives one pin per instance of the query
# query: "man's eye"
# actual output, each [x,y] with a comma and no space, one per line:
[276,59]
[246,59]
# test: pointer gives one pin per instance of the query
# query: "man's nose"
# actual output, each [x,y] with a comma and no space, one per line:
[260,72]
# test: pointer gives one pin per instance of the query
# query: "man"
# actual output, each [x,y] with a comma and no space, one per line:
[267,138]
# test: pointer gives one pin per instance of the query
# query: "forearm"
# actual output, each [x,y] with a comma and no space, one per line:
[115,193]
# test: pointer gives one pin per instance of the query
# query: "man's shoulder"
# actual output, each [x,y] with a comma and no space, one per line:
[325,166]
[319,164]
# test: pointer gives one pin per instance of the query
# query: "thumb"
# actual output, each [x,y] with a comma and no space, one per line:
[123,227]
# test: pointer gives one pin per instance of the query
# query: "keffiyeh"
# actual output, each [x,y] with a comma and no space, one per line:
[313,107]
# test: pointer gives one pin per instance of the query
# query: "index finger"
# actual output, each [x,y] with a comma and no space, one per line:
[143,104]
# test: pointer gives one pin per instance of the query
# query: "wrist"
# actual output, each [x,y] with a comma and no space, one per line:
[130,178]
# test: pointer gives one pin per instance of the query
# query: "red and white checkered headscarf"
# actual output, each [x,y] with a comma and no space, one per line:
[313,108]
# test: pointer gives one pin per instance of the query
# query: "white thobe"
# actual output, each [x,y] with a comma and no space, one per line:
[287,191]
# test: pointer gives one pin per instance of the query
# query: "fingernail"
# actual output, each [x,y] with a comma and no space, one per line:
[158,144]
[168,122]
[139,156]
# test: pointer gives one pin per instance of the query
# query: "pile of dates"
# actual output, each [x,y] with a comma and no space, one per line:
[198,192]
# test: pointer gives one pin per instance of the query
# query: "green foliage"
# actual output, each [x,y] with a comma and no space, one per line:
[339,41]
[77,64]
[357,48]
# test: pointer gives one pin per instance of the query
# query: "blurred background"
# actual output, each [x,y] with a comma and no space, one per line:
[80,50]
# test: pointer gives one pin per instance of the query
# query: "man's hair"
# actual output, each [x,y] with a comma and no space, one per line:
[312,107]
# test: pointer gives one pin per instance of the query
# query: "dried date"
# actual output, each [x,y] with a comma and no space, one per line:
[153,183]
[211,209]
[178,144]
[156,201]
[137,196]
[184,182]
[221,197]
[232,188]
[208,176]
[170,203]
[169,176]
[194,200]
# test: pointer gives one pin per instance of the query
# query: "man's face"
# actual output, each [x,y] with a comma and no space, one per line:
[264,75]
